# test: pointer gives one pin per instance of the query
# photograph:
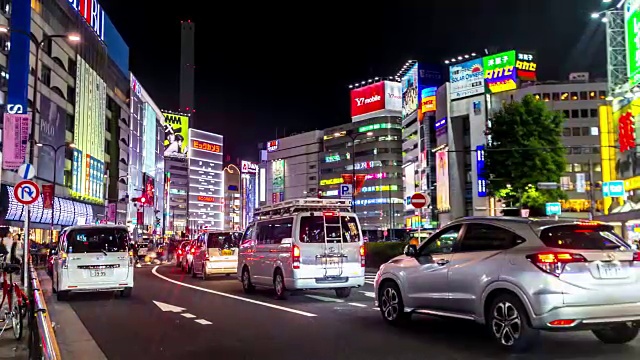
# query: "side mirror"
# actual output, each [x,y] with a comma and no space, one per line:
[411,250]
[287,241]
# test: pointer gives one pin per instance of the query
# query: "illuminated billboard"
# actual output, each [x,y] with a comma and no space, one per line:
[206,180]
[277,174]
[467,79]
[428,99]
[500,72]
[442,180]
[149,139]
[382,98]
[88,134]
[176,135]
[410,91]
[632,23]
[526,66]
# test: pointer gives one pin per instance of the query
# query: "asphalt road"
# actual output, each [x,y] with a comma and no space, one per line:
[214,319]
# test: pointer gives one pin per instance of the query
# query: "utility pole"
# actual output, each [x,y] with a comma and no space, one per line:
[592,206]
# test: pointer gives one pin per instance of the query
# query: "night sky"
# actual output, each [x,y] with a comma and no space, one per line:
[263,69]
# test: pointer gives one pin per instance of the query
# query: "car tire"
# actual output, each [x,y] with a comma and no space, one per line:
[189,269]
[391,304]
[247,286]
[126,293]
[279,287]
[53,288]
[617,334]
[204,274]
[192,272]
[62,295]
[343,293]
[508,323]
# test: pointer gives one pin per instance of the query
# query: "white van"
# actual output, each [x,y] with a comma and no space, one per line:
[301,245]
[216,253]
[93,258]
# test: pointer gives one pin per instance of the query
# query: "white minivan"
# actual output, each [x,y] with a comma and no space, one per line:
[303,244]
[216,253]
[93,258]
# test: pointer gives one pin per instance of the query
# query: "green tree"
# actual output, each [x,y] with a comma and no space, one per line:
[525,148]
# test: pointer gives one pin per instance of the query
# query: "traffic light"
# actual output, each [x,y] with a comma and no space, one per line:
[140,200]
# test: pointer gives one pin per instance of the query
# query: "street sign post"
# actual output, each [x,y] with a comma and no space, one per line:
[26,193]
[419,201]
[346,191]
[547,185]
[26,171]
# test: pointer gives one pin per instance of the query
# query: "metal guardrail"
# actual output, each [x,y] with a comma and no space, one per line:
[43,344]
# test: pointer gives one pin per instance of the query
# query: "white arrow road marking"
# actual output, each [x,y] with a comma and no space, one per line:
[203,322]
[188,316]
[368,293]
[167,307]
[323,298]
[282,308]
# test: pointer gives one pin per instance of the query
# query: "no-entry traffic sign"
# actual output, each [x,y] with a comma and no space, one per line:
[419,200]
[26,192]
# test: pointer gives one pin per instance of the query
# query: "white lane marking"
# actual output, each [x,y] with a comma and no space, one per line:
[188,316]
[282,308]
[322,298]
[370,282]
[203,322]
[168,307]
[368,293]
[358,305]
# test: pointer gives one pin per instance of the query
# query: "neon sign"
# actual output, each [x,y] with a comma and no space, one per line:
[500,72]
[209,199]
[526,67]
[332,158]
[626,132]
[272,145]
[92,13]
[205,146]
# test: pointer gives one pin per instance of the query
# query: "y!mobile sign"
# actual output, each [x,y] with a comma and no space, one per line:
[92,13]
[379,97]
[467,79]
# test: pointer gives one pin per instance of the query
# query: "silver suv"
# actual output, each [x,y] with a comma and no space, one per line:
[518,276]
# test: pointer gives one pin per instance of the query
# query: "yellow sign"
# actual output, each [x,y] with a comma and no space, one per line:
[632,183]
[428,104]
[526,65]
[176,135]
[333,181]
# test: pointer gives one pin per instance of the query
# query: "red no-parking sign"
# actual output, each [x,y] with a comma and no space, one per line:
[26,192]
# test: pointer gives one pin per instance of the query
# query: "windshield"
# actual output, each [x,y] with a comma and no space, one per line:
[312,229]
[96,240]
[582,237]
[225,240]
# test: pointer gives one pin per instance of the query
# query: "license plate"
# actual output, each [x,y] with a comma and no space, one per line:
[227,252]
[98,273]
[332,262]
[611,271]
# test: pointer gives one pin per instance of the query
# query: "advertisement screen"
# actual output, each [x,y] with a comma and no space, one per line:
[52,132]
[393,96]
[427,100]
[277,173]
[467,79]
[632,25]
[526,66]
[409,184]
[500,72]
[149,139]
[88,133]
[15,138]
[442,180]
[149,188]
[385,95]
[176,135]
[410,91]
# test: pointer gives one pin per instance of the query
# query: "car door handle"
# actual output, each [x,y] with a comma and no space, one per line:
[442,262]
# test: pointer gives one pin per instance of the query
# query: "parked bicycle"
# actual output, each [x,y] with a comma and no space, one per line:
[16,299]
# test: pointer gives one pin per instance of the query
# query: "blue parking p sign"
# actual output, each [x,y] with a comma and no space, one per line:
[346,190]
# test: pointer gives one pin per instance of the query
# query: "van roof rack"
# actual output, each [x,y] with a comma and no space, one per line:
[302,205]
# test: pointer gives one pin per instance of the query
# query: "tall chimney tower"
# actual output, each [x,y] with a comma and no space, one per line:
[187,68]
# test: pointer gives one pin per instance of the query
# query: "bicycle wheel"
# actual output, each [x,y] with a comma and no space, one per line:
[16,319]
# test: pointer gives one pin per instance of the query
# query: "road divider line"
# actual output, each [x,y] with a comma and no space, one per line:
[368,293]
[370,282]
[203,322]
[358,305]
[188,316]
[277,307]
[324,298]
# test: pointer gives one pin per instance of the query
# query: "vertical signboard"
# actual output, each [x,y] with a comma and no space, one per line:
[526,66]
[632,35]
[88,133]
[52,132]
[482,180]
[467,79]
[20,23]
[500,72]
[206,179]
[15,137]
[176,135]
[410,91]
[442,180]
[149,140]
[277,172]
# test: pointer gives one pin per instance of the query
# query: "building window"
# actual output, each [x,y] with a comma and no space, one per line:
[584,95]
[595,131]
[45,75]
[72,67]
[584,113]
[593,113]
[602,95]
[564,96]
[577,167]
[569,168]
[69,123]
[546,97]
[576,150]
[574,96]
[575,114]
[595,150]
[107,145]
[555,96]
[575,131]
[312,178]
[46,45]
[71,94]
[593,95]
[597,167]
[313,190]
[311,167]
[585,131]
[566,131]
[566,114]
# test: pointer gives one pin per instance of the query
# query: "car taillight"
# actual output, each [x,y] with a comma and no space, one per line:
[295,256]
[179,252]
[554,263]
[193,251]
[362,256]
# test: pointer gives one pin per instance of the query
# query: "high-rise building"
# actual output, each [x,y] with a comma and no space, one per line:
[187,67]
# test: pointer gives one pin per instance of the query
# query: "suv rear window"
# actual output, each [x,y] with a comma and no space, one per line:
[585,237]
[226,240]
[96,240]
[312,229]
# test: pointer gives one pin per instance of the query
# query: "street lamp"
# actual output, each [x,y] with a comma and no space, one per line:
[71,37]
[353,136]
[55,171]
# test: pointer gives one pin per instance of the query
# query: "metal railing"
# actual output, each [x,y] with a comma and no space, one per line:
[42,338]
